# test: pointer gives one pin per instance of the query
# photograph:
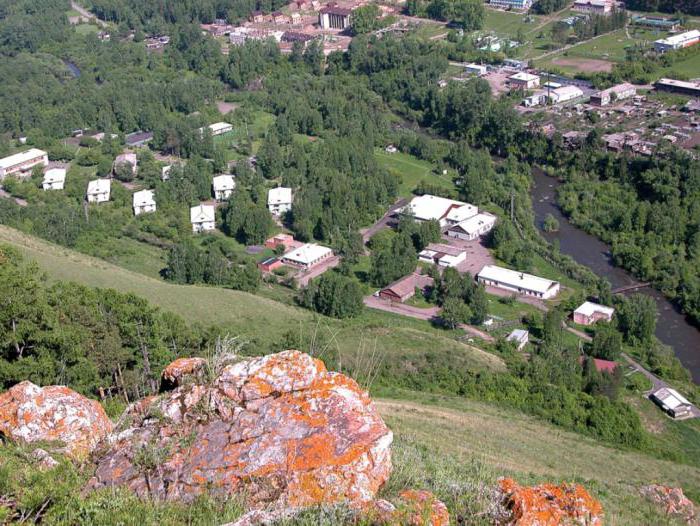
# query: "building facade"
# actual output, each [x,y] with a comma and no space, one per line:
[54,179]
[98,190]
[334,17]
[679,41]
[307,256]
[518,282]
[512,4]
[279,200]
[144,202]
[223,186]
[21,163]
[589,313]
[202,218]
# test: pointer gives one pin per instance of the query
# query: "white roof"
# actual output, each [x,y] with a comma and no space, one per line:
[670,397]
[680,83]
[307,253]
[223,182]
[680,38]
[202,214]
[144,198]
[474,223]
[569,90]
[426,207]
[518,335]
[22,157]
[99,186]
[525,77]
[279,195]
[475,66]
[55,175]
[588,308]
[516,279]
[219,126]
[461,213]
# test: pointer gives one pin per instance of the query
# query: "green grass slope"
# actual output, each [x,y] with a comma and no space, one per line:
[460,452]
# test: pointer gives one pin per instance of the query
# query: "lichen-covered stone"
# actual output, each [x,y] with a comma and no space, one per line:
[182,369]
[673,501]
[278,430]
[29,413]
[546,505]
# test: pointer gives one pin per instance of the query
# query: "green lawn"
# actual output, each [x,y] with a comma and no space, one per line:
[411,171]
[86,29]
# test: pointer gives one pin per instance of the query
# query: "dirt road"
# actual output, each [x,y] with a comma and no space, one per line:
[87,14]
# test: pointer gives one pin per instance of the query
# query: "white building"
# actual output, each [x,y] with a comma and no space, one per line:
[306,256]
[589,313]
[476,69]
[619,92]
[564,94]
[334,17]
[443,255]
[520,337]
[444,211]
[98,190]
[165,172]
[54,179]
[203,218]
[522,5]
[218,128]
[144,202]
[518,282]
[600,7]
[523,81]
[672,402]
[473,228]
[23,162]
[678,41]
[279,200]
[223,186]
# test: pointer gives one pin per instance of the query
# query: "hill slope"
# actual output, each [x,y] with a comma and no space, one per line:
[263,322]
[459,452]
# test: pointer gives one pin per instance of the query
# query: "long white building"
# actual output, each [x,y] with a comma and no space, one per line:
[434,208]
[678,41]
[22,162]
[518,282]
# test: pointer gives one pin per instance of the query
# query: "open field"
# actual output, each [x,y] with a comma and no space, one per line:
[411,171]
[468,446]
[263,322]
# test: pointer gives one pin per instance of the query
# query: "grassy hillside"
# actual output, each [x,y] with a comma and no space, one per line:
[265,323]
[460,452]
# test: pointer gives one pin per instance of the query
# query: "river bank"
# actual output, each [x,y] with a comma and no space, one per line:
[672,328]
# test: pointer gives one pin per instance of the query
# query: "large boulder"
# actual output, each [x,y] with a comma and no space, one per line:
[673,501]
[279,430]
[545,505]
[29,413]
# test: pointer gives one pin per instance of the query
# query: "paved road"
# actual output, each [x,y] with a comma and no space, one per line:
[367,233]
[87,14]
[429,314]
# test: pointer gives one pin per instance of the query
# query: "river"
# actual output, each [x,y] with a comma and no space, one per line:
[672,327]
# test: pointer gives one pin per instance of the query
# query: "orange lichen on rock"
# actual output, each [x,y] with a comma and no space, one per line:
[177,372]
[673,501]
[547,505]
[29,413]
[279,429]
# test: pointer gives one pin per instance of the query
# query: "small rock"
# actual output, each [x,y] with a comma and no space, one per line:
[673,500]
[29,413]
[46,461]
[546,504]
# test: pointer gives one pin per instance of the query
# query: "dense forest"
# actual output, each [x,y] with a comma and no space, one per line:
[690,7]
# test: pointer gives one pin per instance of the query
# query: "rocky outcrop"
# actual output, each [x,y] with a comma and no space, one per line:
[181,371]
[279,430]
[673,501]
[75,424]
[413,508]
[545,505]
